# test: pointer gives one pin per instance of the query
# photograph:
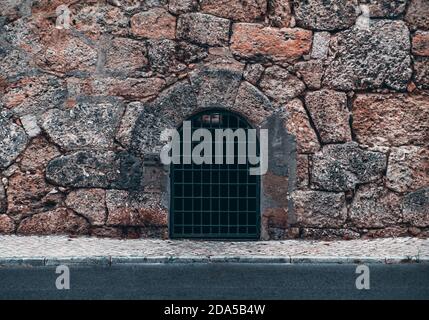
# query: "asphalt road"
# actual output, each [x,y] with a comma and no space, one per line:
[217,281]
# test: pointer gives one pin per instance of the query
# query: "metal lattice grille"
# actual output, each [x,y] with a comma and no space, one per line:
[215,200]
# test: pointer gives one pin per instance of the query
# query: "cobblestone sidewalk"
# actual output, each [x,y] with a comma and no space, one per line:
[58,249]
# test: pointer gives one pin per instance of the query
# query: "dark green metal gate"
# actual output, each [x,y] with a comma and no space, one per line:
[217,201]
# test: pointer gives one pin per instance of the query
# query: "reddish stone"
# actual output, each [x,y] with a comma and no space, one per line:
[59,221]
[6,225]
[311,73]
[134,89]
[254,40]
[126,55]
[330,115]
[421,43]
[329,234]
[90,203]
[276,187]
[417,14]
[302,173]
[298,124]
[408,168]
[389,232]
[391,119]
[237,10]
[62,52]
[182,6]
[29,193]
[275,217]
[156,23]
[421,69]
[38,154]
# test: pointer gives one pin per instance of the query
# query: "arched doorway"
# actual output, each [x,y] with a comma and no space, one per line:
[215,201]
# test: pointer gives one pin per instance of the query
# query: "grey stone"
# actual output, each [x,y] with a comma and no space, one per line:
[203,29]
[252,104]
[253,73]
[385,8]
[320,47]
[182,6]
[34,94]
[417,14]
[329,234]
[29,122]
[408,168]
[3,199]
[280,85]
[326,15]
[13,141]
[166,112]
[319,209]
[416,208]
[90,123]
[216,86]
[341,167]
[370,59]
[375,207]
[330,115]
[95,169]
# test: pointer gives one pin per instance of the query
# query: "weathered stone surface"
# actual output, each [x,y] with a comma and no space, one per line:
[408,168]
[129,88]
[15,9]
[253,73]
[237,10]
[37,155]
[254,41]
[326,15]
[320,46]
[280,85]
[341,167]
[59,221]
[99,19]
[126,128]
[385,8]
[13,141]
[95,169]
[90,203]
[126,56]
[87,124]
[302,171]
[3,199]
[389,232]
[298,124]
[216,86]
[252,103]
[279,13]
[156,23]
[375,207]
[396,119]
[417,14]
[6,225]
[319,209]
[330,115]
[329,234]
[275,187]
[370,58]
[34,95]
[421,43]
[416,208]
[275,218]
[182,6]
[421,68]
[311,73]
[203,29]
[134,210]
[28,193]
[29,122]
[170,56]
[63,53]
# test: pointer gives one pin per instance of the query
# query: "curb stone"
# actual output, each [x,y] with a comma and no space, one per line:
[135,260]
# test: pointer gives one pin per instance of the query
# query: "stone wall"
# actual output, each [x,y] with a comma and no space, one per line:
[342,86]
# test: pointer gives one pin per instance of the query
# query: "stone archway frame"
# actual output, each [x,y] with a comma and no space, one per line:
[220,86]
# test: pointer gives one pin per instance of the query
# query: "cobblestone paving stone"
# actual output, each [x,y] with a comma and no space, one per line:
[49,247]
